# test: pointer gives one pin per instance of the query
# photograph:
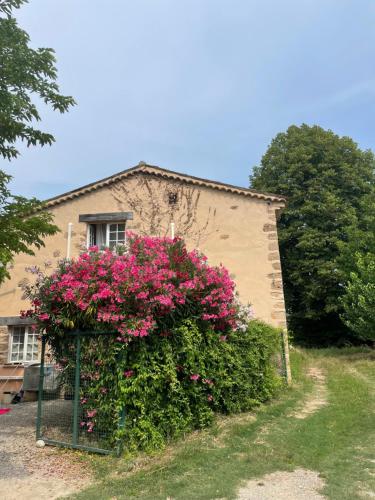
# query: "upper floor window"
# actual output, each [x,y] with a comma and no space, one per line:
[116,235]
[23,345]
[106,229]
[106,235]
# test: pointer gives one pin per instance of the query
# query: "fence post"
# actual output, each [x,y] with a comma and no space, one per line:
[286,359]
[121,426]
[76,389]
[40,390]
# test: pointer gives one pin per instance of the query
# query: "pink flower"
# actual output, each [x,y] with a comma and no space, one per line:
[208,381]
[188,285]
[91,413]
[207,317]
[210,397]
[83,305]
[163,300]
[195,377]
[129,373]
[69,295]
[103,294]
[132,293]
[223,338]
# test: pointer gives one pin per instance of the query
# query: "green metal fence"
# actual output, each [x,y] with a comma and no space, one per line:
[61,417]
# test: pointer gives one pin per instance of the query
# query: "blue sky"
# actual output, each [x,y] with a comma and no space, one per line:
[197,86]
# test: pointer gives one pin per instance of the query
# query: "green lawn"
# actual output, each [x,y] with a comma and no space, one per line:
[337,440]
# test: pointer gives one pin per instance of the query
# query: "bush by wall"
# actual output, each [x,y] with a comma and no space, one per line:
[183,349]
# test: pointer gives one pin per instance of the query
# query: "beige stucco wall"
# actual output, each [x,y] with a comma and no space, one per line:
[236,230]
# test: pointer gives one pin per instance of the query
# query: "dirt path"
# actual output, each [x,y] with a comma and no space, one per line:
[318,397]
[300,484]
[314,401]
[28,472]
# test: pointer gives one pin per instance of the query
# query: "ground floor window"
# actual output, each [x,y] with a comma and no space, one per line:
[23,346]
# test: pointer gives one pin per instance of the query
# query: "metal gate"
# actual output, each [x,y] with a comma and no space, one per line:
[62,419]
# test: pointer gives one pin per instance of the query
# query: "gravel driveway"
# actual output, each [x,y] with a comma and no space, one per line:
[28,472]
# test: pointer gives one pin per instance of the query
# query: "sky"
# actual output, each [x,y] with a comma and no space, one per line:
[196,86]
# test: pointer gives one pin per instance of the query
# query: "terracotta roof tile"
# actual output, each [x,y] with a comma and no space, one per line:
[145,169]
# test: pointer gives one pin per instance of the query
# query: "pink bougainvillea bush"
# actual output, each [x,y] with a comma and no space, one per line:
[176,345]
[137,294]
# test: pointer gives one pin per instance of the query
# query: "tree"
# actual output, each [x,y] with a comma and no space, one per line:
[358,262]
[22,225]
[359,298]
[326,179]
[361,237]
[26,75]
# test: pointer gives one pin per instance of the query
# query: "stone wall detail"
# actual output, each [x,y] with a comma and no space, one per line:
[4,344]
[275,278]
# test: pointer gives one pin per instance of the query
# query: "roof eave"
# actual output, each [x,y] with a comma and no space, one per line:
[145,169]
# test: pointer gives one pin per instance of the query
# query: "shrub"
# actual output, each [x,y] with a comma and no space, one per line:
[146,290]
[359,298]
[182,348]
[171,385]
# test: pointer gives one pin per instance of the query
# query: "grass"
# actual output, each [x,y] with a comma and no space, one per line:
[338,441]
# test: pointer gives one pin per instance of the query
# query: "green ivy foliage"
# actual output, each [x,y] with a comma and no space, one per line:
[169,386]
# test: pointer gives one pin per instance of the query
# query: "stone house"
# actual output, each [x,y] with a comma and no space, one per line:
[232,225]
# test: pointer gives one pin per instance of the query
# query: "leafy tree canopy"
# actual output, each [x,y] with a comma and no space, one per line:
[326,179]
[359,298]
[21,228]
[27,76]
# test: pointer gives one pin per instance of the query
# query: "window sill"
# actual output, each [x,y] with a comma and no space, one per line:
[22,363]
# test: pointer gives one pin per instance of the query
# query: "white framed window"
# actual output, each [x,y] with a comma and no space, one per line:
[106,235]
[23,345]
[115,235]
